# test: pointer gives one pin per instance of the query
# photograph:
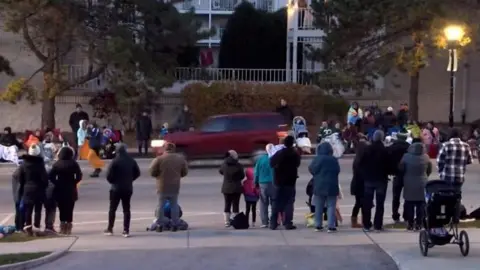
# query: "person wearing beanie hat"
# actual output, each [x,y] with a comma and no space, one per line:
[396,152]
[285,164]
[374,170]
[33,181]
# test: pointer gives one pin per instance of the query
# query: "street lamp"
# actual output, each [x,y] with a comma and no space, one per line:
[454,35]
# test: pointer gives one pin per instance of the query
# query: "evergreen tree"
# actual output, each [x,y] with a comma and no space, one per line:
[367,39]
[254,39]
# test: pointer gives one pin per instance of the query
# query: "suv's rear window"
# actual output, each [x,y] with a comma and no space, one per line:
[269,122]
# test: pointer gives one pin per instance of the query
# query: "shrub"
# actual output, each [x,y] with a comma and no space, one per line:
[205,100]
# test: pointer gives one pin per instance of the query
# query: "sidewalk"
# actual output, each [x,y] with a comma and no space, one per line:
[403,247]
[41,245]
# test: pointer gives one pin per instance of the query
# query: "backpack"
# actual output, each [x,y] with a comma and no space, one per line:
[239,222]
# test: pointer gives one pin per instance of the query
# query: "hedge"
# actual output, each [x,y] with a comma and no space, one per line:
[205,100]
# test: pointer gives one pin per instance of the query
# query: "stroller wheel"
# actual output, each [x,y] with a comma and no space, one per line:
[464,243]
[423,242]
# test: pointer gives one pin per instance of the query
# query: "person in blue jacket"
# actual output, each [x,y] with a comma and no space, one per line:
[263,176]
[325,170]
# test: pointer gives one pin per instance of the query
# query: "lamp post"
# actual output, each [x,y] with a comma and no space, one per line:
[454,35]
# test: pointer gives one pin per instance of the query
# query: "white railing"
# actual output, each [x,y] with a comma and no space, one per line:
[222,5]
[73,72]
[244,75]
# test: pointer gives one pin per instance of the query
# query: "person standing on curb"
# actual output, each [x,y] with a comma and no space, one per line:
[233,175]
[396,152]
[285,164]
[374,164]
[33,181]
[453,158]
[263,174]
[168,169]
[121,174]
[19,215]
[65,176]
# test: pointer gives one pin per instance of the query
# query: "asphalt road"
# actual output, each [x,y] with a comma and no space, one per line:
[202,204]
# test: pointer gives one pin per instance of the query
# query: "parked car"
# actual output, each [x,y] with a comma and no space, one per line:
[246,133]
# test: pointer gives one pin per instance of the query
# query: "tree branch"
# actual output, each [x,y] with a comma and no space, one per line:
[31,44]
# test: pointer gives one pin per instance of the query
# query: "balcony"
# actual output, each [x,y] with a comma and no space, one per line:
[301,23]
[225,7]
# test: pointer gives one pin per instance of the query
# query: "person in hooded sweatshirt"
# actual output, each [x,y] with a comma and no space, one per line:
[233,174]
[325,170]
[82,142]
[121,174]
[263,174]
[396,152]
[415,167]
[65,176]
[285,163]
[373,165]
[33,181]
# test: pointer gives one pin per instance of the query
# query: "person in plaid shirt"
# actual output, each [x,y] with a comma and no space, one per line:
[453,158]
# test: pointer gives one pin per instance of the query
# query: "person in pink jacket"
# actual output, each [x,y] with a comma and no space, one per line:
[431,139]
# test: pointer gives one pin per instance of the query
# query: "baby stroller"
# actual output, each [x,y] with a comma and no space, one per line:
[300,133]
[442,210]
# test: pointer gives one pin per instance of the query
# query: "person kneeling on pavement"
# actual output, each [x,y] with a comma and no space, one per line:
[325,170]
[65,176]
[168,169]
[415,168]
[285,165]
[121,174]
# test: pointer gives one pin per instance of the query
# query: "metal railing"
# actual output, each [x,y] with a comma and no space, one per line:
[73,72]
[222,5]
[244,75]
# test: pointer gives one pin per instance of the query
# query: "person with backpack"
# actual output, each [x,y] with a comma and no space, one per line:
[251,194]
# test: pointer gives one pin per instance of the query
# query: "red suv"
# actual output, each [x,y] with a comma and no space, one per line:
[242,132]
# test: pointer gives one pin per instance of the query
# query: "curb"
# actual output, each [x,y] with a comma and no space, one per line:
[393,257]
[40,261]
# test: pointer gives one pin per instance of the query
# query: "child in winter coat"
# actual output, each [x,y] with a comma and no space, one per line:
[251,194]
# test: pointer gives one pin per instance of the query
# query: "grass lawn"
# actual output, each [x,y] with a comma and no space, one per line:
[401,225]
[20,257]
[22,237]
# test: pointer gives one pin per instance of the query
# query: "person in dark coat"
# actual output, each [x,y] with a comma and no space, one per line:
[65,176]
[285,111]
[415,167]
[121,174]
[285,165]
[325,170]
[74,121]
[232,189]
[143,131]
[374,171]
[19,215]
[396,152]
[50,206]
[33,180]
[357,183]
[185,120]
[9,139]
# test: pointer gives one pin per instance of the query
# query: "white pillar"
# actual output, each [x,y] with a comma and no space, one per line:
[295,61]
[288,63]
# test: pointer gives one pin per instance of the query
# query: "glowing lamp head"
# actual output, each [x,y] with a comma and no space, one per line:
[454,33]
